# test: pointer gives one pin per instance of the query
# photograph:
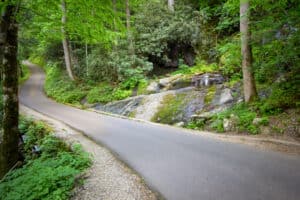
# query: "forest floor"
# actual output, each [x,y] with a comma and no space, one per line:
[108,178]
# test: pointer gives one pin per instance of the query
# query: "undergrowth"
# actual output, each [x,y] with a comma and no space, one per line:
[50,172]
[61,88]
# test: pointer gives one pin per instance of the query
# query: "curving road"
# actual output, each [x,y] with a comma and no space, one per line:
[177,164]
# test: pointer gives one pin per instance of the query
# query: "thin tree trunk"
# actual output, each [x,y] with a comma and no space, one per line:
[248,78]
[9,137]
[171,5]
[65,41]
[130,39]
[86,59]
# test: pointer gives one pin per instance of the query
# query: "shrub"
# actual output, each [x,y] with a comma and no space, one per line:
[230,58]
[245,116]
[196,124]
[60,87]
[52,175]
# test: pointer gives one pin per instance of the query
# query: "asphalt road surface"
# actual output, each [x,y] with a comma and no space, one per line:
[174,162]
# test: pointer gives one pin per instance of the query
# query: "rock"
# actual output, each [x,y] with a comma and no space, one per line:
[180,83]
[227,125]
[153,87]
[257,121]
[179,124]
[205,116]
[231,123]
[165,82]
[207,79]
[226,96]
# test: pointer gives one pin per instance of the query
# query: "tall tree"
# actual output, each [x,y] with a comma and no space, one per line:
[248,78]
[128,26]
[9,45]
[65,41]
[171,4]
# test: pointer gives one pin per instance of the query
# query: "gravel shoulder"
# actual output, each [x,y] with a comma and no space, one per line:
[108,178]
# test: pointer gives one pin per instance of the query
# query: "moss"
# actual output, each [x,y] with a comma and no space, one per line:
[210,94]
[132,114]
[170,108]
[142,86]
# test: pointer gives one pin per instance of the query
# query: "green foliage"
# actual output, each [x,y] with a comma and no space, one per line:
[200,67]
[154,37]
[105,93]
[117,65]
[283,95]
[244,114]
[230,58]
[1,106]
[52,175]
[142,86]
[61,88]
[196,124]
[170,108]
[24,74]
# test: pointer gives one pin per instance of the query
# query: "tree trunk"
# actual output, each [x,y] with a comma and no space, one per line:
[129,34]
[248,78]
[65,41]
[171,5]
[86,59]
[9,138]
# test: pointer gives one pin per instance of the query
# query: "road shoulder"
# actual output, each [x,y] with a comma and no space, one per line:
[108,178]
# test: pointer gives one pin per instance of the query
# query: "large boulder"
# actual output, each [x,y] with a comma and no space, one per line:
[164,82]
[226,96]
[153,87]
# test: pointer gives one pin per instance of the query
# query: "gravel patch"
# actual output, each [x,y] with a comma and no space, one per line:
[108,178]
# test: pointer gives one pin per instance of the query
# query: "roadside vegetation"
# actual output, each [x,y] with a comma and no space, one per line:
[51,168]
[124,69]
[97,52]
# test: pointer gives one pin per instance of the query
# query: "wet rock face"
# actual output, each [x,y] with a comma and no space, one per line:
[225,97]
[153,87]
[124,107]
[207,79]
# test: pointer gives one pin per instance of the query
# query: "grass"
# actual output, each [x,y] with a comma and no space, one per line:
[51,173]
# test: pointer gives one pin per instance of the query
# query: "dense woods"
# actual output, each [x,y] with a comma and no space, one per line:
[107,50]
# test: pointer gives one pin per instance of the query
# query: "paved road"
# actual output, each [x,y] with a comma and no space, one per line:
[180,165]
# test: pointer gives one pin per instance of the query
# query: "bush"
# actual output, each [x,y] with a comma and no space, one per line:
[230,57]
[197,124]
[105,93]
[200,67]
[60,87]
[52,175]
[244,114]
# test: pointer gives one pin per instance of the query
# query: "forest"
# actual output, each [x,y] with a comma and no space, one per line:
[224,66]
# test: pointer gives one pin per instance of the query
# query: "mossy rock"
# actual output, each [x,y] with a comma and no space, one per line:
[171,109]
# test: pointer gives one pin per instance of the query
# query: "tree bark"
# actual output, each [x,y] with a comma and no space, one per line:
[171,5]
[9,138]
[65,41]
[248,77]
[130,39]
